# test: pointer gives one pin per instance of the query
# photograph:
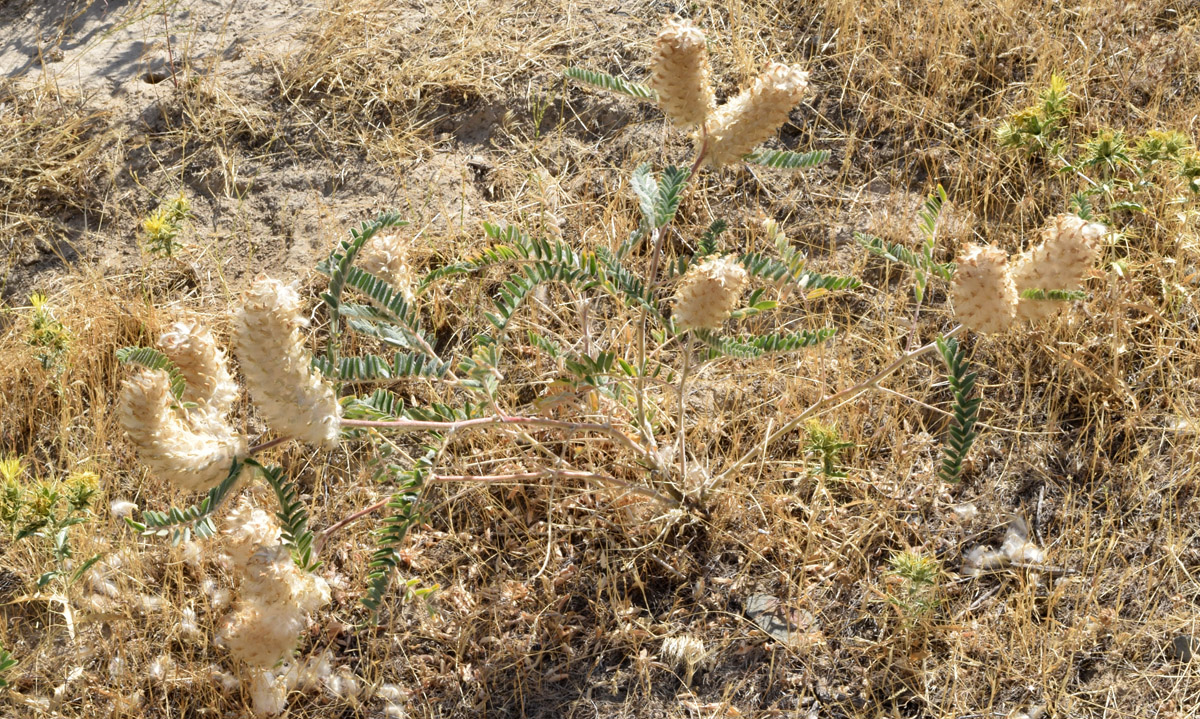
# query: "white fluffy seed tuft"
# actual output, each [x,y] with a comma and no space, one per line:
[984,296]
[191,346]
[1068,250]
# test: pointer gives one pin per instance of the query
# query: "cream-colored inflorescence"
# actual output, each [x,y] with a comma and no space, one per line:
[708,293]
[192,348]
[386,257]
[738,126]
[985,298]
[276,597]
[1069,248]
[679,74]
[192,451]
[270,349]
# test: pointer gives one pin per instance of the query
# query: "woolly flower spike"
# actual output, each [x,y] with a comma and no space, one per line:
[985,298]
[192,348]
[708,293]
[1068,249]
[279,372]
[194,456]
[741,124]
[276,596]
[276,599]
[386,257]
[679,73]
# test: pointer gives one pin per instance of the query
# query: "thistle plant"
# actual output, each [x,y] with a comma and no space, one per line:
[46,333]
[1108,173]
[46,510]
[162,226]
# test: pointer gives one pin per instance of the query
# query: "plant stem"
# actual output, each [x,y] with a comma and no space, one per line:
[836,398]
[268,444]
[324,534]
[412,425]
[680,427]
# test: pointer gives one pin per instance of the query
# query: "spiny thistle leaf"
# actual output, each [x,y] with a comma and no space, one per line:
[1034,293]
[962,432]
[608,82]
[180,524]
[153,359]
[784,160]
[292,515]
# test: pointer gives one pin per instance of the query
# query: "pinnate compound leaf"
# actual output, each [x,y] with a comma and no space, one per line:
[605,81]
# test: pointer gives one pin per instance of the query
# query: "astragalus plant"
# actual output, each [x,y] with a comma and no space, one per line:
[621,328]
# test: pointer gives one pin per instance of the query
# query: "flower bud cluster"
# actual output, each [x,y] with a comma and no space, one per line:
[708,293]
[291,395]
[987,287]
[1068,249]
[739,125]
[680,72]
[386,257]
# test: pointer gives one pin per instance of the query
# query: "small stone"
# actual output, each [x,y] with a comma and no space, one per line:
[1184,648]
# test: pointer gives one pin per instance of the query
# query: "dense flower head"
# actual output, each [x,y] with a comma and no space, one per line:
[679,74]
[386,257]
[708,293]
[1068,250]
[741,124]
[984,296]
[291,395]
[194,451]
[191,346]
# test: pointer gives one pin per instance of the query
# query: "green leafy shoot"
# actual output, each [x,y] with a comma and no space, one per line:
[608,82]
[405,507]
[783,160]
[710,240]
[181,524]
[659,201]
[292,515]
[965,410]
[153,359]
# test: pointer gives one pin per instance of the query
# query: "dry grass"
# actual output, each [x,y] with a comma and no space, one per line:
[53,168]
[558,600]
